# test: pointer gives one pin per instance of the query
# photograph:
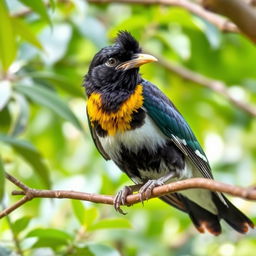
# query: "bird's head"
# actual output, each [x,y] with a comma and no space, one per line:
[117,66]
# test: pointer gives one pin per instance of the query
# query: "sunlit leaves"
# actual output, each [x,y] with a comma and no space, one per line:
[61,81]
[49,237]
[38,7]
[89,218]
[31,155]
[20,224]
[21,28]
[78,209]
[86,216]
[111,223]
[47,98]
[7,38]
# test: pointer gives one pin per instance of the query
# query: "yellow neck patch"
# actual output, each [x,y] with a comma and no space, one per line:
[118,121]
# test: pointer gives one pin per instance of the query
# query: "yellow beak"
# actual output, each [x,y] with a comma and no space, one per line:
[137,60]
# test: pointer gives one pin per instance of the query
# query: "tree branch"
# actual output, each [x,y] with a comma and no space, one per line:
[222,23]
[215,85]
[212,185]
[241,13]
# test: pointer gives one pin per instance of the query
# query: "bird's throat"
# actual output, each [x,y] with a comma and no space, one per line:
[118,121]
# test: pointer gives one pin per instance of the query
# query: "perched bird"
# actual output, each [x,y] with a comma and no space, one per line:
[134,124]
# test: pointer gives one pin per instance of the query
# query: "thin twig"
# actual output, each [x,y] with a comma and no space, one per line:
[212,185]
[222,23]
[215,85]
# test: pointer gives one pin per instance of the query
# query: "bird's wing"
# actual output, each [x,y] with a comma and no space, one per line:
[174,200]
[173,125]
[96,139]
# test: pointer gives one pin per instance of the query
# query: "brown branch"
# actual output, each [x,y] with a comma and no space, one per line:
[241,13]
[212,185]
[222,23]
[215,85]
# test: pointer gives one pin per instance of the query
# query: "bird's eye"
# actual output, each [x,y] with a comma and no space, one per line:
[111,62]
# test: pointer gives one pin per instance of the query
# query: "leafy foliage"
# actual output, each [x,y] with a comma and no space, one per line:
[45,50]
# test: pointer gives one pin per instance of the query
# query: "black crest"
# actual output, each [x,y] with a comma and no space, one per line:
[127,41]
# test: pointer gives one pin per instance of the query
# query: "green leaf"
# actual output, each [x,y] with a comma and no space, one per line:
[20,224]
[39,7]
[48,98]
[22,29]
[22,116]
[111,223]
[7,38]
[49,237]
[90,216]
[2,179]
[50,233]
[86,217]
[62,81]
[82,251]
[79,210]
[5,93]
[5,118]
[31,155]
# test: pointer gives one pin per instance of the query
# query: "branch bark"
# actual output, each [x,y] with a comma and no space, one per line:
[212,185]
[222,23]
[242,14]
[215,85]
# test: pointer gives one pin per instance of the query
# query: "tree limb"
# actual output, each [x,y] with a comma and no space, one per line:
[212,185]
[215,85]
[222,23]
[241,13]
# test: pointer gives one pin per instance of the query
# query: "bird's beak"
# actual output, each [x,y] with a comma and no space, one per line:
[137,60]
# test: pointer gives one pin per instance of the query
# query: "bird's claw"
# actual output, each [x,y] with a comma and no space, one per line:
[120,199]
[146,190]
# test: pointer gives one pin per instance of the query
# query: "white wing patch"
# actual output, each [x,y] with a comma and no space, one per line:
[197,152]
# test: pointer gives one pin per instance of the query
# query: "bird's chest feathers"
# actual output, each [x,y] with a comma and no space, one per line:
[118,121]
[148,136]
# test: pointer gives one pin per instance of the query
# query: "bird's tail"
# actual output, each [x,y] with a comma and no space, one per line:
[234,217]
[204,220]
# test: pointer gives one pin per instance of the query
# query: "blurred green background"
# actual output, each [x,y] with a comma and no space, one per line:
[45,50]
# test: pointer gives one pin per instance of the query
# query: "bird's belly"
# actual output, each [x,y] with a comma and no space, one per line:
[143,153]
[148,136]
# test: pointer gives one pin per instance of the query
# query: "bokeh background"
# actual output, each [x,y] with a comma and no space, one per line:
[45,50]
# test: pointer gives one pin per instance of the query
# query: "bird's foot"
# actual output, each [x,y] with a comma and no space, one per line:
[120,198]
[146,190]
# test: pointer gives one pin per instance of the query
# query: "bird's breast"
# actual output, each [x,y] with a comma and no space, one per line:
[146,136]
[125,118]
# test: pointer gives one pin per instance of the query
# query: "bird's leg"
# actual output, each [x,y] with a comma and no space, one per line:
[121,195]
[146,190]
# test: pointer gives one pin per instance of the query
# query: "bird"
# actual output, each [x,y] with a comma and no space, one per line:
[134,124]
